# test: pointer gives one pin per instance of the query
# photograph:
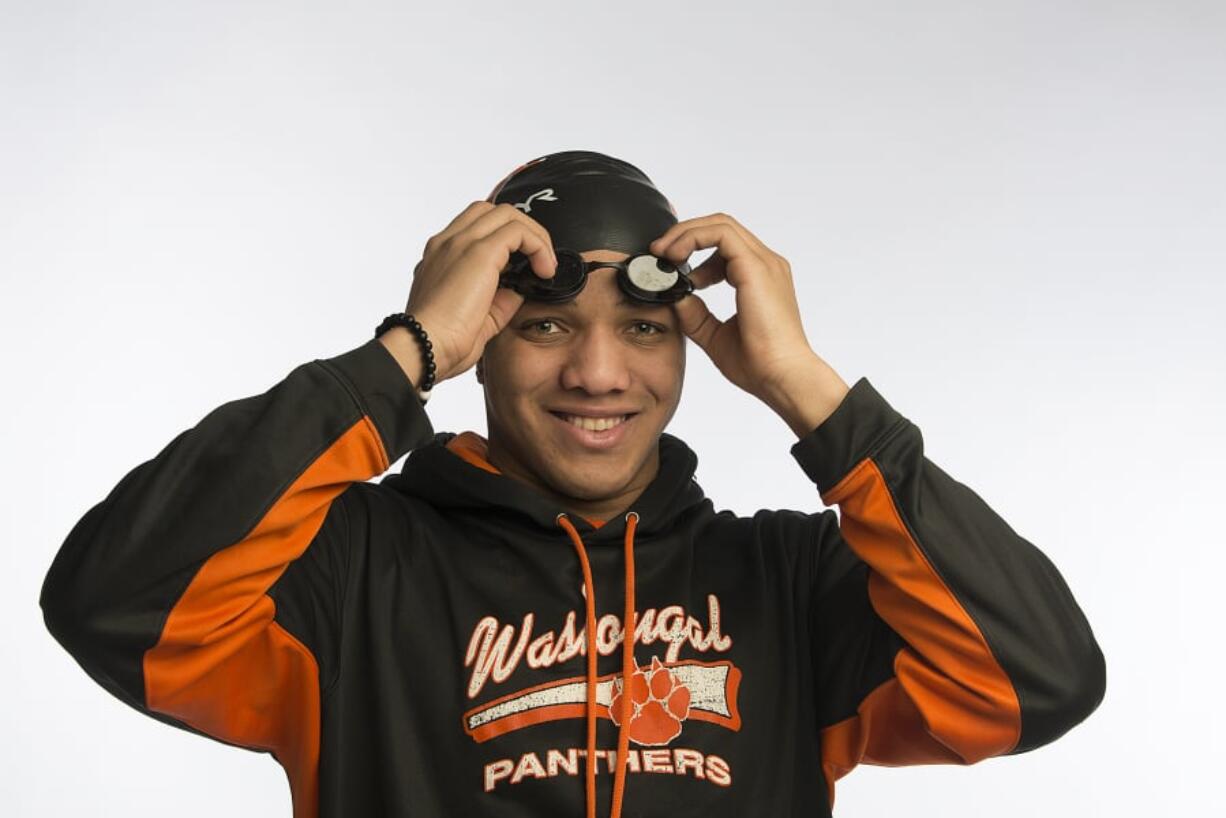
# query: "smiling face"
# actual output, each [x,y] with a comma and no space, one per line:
[599,357]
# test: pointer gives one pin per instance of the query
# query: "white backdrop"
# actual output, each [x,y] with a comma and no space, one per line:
[1009,216]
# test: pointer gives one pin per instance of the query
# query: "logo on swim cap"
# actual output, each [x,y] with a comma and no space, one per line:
[545,195]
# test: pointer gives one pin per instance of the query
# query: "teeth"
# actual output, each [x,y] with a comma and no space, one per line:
[594,424]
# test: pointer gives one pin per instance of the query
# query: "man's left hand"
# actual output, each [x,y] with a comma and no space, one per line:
[762,348]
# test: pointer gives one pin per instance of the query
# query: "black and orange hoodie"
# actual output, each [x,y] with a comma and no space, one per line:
[447,642]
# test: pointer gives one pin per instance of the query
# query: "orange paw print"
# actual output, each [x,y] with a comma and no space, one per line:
[658,704]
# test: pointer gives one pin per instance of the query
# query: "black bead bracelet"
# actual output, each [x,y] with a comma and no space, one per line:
[400,319]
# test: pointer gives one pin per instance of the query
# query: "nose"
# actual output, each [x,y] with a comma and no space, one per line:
[597,362]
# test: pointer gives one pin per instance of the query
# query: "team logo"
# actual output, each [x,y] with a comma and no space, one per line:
[659,702]
[663,694]
[659,699]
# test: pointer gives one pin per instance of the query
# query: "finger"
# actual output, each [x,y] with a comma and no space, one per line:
[729,243]
[501,214]
[674,230]
[503,308]
[542,256]
[696,320]
[712,270]
[512,238]
[658,245]
[544,261]
[462,220]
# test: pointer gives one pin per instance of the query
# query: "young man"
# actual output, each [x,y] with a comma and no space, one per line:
[553,619]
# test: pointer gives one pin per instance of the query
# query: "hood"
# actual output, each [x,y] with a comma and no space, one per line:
[453,472]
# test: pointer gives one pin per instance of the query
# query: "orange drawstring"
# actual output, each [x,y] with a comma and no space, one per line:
[628,666]
[590,594]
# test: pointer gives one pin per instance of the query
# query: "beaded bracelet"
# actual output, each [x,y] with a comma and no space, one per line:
[400,319]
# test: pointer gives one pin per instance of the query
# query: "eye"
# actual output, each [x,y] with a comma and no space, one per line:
[531,326]
[651,329]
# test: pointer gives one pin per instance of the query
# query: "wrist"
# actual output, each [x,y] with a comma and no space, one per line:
[807,395]
[442,366]
[404,348]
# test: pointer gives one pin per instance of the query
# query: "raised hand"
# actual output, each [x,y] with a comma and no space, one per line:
[455,293]
[762,348]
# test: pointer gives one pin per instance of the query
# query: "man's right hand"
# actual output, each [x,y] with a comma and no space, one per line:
[455,293]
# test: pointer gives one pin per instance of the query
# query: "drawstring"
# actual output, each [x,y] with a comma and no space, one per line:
[628,666]
[590,629]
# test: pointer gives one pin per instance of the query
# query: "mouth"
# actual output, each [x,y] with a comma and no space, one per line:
[595,432]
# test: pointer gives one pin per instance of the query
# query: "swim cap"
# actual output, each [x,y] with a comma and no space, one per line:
[588,201]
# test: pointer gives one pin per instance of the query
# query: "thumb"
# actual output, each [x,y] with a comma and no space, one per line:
[502,309]
[505,304]
[697,321]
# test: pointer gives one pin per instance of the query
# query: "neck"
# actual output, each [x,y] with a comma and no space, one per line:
[602,508]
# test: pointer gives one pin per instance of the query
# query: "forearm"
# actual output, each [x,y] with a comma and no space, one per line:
[217,514]
[1000,657]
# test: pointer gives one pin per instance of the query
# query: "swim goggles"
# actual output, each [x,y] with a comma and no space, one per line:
[643,277]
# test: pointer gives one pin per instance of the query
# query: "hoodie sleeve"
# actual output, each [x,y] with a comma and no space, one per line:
[205,589]
[940,635]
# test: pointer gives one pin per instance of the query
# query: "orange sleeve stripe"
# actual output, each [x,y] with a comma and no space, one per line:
[888,730]
[950,701]
[222,664]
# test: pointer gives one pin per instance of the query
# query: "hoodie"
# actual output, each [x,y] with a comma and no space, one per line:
[447,641]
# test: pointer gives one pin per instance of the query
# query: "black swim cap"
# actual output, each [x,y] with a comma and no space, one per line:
[588,201]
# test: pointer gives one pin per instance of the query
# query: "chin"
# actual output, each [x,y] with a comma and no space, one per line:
[586,486]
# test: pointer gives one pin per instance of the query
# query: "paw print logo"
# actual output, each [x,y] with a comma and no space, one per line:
[658,704]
